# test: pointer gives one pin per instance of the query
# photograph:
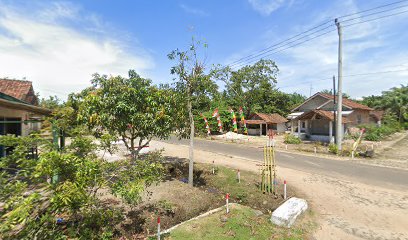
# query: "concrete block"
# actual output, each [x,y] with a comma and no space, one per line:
[286,214]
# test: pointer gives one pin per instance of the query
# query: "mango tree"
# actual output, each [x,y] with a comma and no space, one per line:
[128,109]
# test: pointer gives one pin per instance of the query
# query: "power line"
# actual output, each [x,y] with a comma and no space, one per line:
[347,76]
[374,19]
[279,43]
[292,46]
[248,59]
[288,43]
[371,9]
[383,11]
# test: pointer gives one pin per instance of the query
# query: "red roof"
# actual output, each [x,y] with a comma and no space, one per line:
[347,102]
[325,114]
[19,89]
[269,118]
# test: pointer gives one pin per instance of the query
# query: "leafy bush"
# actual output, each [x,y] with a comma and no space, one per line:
[291,139]
[31,204]
[333,148]
[375,133]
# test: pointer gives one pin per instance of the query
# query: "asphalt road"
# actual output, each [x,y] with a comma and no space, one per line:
[348,170]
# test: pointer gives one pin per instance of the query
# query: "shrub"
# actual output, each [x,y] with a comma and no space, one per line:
[333,148]
[291,139]
[375,133]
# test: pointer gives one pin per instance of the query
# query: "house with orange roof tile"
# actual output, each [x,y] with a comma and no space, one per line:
[314,119]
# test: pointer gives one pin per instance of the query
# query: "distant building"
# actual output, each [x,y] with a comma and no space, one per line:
[19,111]
[260,123]
[314,118]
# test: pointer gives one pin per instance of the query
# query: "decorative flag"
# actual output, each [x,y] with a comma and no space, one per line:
[216,114]
[206,125]
[243,120]
[234,120]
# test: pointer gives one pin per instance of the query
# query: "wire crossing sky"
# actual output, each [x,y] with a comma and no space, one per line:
[59,44]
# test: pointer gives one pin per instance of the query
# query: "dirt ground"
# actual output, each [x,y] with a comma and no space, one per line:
[395,155]
[347,210]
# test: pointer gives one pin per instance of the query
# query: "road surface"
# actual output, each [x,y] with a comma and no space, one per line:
[368,174]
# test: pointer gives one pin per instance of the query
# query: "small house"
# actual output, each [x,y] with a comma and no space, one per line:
[260,123]
[314,119]
[19,111]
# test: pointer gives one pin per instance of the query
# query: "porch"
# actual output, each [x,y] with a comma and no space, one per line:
[316,125]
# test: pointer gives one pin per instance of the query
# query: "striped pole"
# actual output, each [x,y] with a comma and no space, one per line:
[158,228]
[213,168]
[226,200]
[284,189]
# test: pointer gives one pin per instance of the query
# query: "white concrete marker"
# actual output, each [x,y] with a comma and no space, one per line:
[372,146]
[145,150]
[284,189]
[315,150]
[226,200]
[239,176]
[158,228]
[286,214]
[286,146]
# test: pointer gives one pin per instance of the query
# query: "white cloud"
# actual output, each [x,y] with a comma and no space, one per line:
[57,58]
[266,7]
[377,46]
[194,11]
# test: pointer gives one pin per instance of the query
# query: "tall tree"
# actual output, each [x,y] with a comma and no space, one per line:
[396,100]
[194,86]
[251,85]
[129,109]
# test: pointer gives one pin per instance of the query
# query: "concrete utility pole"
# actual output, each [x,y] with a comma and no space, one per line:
[334,102]
[339,129]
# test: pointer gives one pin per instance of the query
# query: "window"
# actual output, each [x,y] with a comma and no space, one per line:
[303,124]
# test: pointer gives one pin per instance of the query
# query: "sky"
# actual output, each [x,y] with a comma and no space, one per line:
[58,45]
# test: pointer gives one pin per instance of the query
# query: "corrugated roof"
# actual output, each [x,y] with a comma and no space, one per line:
[270,118]
[19,89]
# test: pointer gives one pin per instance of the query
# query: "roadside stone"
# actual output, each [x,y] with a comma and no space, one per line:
[258,212]
[224,218]
[286,214]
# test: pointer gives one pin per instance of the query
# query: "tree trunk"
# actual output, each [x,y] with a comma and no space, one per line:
[132,148]
[191,150]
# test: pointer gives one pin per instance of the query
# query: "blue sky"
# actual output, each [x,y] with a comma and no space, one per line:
[59,44]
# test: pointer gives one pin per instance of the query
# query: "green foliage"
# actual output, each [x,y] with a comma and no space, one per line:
[129,109]
[333,148]
[30,204]
[393,101]
[253,87]
[376,133]
[291,139]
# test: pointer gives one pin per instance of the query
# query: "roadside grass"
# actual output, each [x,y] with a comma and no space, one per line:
[175,202]
[240,223]
[246,192]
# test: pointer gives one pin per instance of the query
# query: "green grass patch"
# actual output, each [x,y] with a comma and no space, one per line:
[240,223]
[247,191]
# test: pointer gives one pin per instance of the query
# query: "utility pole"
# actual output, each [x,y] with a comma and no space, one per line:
[334,108]
[339,129]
